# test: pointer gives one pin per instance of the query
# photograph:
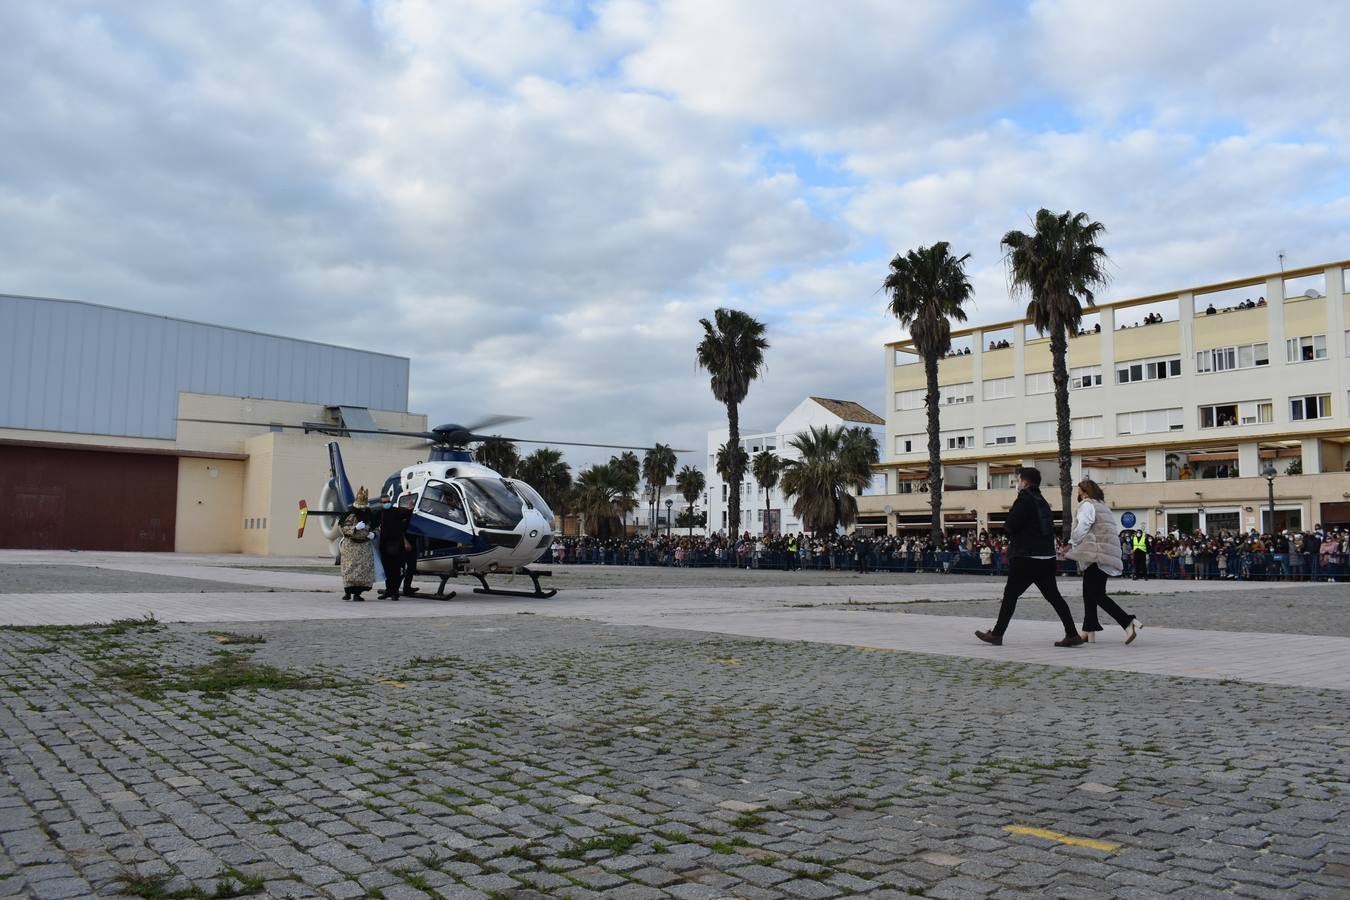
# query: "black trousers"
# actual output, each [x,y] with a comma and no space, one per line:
[392,558]
[1141,564]
[1023,572]
[1094,597]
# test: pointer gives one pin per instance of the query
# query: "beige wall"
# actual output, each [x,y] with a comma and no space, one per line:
[955,369]
[1036,357]
[1148,341]
[1304,317]
[1085,350]
[209,508]
[998,363]
[1227,329]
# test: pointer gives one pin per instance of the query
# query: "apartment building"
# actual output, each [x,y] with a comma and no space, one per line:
[769,511]
[1182,403]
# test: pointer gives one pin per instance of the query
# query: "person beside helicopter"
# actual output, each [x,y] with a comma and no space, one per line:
[355,551]
[396,551]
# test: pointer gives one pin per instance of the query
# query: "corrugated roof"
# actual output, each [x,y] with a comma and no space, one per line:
[850,411]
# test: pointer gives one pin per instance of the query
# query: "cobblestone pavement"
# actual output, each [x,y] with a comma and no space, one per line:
[53,579]
[518,755]
[1279,608]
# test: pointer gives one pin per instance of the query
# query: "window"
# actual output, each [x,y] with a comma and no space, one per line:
[957,393]
[1225,415]
[1086,427]
[1040,383]
[1306,349]
[1085,377]
[1002,481]
[724,492]
[959,440]
[996,435]
[1314,407]
[908,443]
[998,388]
[1038,432]
[443,502]
[1149,370]
[1242,356]
[1149,421]
[909,399]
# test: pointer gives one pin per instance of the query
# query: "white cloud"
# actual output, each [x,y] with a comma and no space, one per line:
[537,201]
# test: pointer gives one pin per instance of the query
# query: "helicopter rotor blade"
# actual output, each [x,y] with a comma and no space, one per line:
[498,437]
[492,422]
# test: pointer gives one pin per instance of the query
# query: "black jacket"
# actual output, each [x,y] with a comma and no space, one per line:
[394,527]
[1030,525]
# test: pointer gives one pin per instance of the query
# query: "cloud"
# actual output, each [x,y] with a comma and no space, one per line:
[536,201]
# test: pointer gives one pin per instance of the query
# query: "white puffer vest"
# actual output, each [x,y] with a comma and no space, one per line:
[1101,545]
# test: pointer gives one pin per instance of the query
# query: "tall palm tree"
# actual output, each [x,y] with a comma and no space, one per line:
[500,455]
[690,483]
[547,472]
[732,350]
[928,288]
[766,467]
[730,463]
[1058,265]
[822,477]
[658,466]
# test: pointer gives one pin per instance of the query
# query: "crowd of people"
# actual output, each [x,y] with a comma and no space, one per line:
[1293,556]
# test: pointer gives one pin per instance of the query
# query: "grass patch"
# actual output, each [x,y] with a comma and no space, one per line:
[229,637]
[229,883]
[728,847]
[748,821]
[38,650]
[614,843]
[225,673]
[433,662]
[140,624]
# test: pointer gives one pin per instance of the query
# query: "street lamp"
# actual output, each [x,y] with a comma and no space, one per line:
[669,504]
[1269,472]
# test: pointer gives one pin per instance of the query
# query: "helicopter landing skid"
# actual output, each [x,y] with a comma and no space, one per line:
[440,591]
[538,591]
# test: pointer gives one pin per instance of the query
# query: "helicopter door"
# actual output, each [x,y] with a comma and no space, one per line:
[439,513]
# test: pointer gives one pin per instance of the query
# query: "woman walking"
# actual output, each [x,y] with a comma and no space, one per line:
[1095,545]
[355,550]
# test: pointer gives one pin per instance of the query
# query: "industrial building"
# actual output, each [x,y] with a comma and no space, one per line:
[1182,404]
[121,430]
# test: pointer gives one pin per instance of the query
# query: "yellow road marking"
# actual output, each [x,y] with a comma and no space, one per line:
[389,682]
[730,661]
[1090,843]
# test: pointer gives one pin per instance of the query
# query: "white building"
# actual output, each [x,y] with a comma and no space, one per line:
[1181,401]
[813,411]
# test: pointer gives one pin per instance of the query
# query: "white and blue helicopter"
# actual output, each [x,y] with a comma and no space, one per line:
[467,519]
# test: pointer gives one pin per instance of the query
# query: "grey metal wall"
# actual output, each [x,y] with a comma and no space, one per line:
[69,366]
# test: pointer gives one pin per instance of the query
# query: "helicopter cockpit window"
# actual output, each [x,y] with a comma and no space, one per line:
[443,502]
[532,497]
[407,501]
[494,504]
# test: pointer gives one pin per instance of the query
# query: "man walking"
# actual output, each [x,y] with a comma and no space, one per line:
[394,546]
[1031,557]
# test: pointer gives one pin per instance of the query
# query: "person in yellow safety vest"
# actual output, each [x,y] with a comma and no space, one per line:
[1139,551]
[790,557]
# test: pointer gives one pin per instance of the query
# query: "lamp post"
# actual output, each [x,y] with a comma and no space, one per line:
[669,504]
[1269,473]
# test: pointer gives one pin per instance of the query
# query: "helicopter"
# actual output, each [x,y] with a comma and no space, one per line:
[467,519]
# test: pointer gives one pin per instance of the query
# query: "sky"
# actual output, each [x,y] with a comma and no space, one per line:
[536,202]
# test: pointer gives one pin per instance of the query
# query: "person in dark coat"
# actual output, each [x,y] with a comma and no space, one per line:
[1031,538]
[396,550]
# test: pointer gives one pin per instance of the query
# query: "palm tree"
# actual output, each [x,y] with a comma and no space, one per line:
[601,496]
[690,483]
[832,461]
[1058,265]
[658,465]
[765,468]
[547,472]
[732,350]
[731,462]
[928,288]
[859,451]
[500,455]
[628,472]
